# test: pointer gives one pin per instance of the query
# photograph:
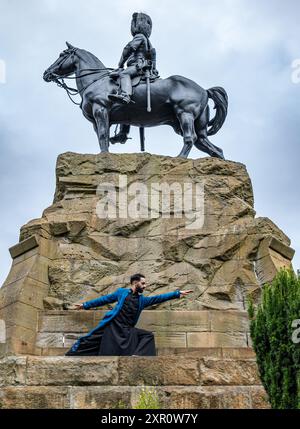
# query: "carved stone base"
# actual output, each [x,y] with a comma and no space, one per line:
[195,380]
[216,247]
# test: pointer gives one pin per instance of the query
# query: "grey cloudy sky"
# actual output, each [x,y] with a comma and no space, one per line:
[245,46]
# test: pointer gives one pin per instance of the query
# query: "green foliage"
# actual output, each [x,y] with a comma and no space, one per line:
[120,405]
[148,399]
[278,358]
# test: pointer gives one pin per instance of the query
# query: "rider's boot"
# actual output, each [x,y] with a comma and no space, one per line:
[126,89]
[122,135]
[122,98]
[119,138]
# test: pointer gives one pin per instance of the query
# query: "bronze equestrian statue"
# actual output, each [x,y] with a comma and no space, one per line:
[138,96]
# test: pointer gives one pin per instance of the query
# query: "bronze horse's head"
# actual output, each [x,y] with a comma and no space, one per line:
[63,66]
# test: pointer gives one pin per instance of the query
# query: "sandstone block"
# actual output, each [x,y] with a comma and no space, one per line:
[64,371]
[208,397]
[216,339]
[34,397]
[95,397]
[13,370]
[165,370]
[229,372]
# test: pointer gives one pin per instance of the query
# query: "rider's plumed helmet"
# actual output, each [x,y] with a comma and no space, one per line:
[141,23]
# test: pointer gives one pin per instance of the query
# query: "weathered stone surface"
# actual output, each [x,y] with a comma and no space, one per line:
[21,342]
[216,339]
[179,321]
[118,397]
[153,320]
[35,267]
[259,397]
[35,397]
[229,321]
[2,331]
[228,372]
[204,367]
[165,370]
[59,371]
[208,397]
[170,339]
[12,370]
[52,303]
[24,291]
[199,379]
[267,266]
[68,321]
[90,255]
[20,314]
[172,329]
[95,397]
[56,339]
[183,397]
[23,247]
[238,353]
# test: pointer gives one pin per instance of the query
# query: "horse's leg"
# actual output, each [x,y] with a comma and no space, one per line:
[186,121]
[203,143]
[102,126]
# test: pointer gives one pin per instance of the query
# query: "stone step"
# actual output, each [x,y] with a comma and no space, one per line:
[191,380]
[127,397]
[217,352]
[192,368]
[175,329]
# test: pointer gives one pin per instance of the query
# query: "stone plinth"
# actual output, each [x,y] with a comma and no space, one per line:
[202,235]
[194,380]
[230,254]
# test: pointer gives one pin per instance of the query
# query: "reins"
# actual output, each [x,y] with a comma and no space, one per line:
[71,92]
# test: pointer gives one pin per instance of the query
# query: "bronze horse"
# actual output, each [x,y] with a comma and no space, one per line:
[176,101]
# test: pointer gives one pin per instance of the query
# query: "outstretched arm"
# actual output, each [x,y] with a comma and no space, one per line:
[102,300]
[157,299]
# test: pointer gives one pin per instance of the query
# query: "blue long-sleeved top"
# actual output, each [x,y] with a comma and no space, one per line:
[120,295]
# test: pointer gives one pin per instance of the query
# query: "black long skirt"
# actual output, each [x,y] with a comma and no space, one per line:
[116,339]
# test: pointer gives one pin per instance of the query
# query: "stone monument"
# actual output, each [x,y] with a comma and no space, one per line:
[183,223]
[73,252]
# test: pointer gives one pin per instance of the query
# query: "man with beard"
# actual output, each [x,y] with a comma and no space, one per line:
[116,334]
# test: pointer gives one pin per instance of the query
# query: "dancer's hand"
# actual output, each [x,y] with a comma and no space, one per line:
[185,292]
[78,306]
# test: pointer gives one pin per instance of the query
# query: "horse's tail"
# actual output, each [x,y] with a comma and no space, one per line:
[220,98]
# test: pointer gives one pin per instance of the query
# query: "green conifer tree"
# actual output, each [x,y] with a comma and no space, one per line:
[271,327]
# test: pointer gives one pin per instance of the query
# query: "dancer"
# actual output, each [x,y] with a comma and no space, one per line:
[116,334]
